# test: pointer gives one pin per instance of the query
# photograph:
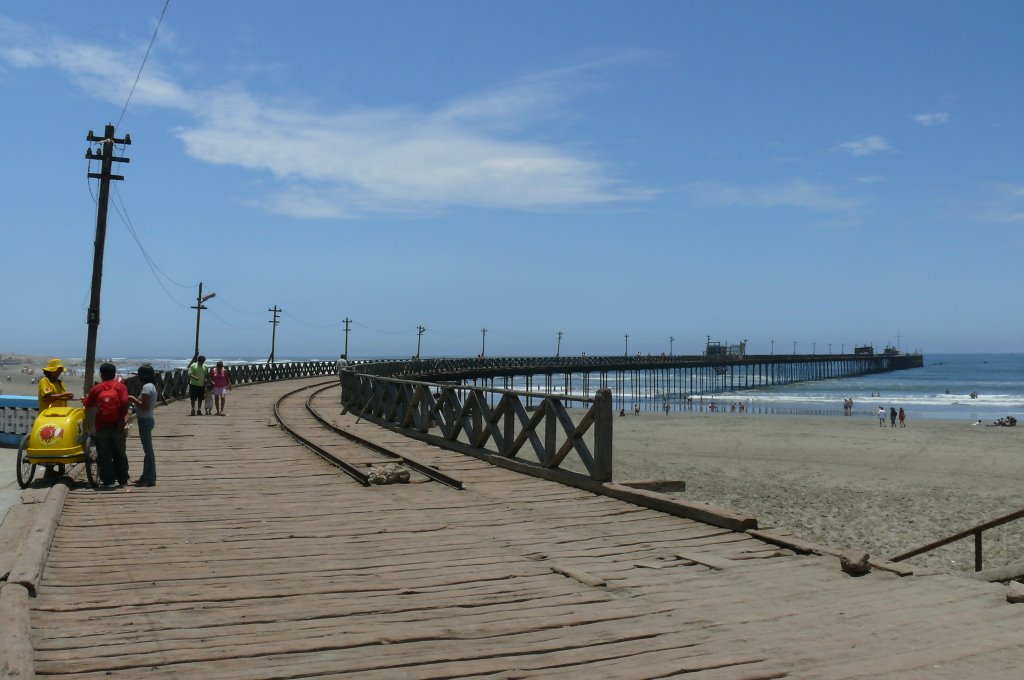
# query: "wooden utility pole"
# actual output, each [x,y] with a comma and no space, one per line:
[347,322]
[558,349]
[420,330]
[199,307]
[273,334]
[107,158]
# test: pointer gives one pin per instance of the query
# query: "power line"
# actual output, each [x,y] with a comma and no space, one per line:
[240,311]
[122,211]
[143,64]
[214,314]
[306,323]
[377,330]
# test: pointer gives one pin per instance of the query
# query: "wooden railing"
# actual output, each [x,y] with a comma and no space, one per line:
[473,419]
[172,385]
[975,531]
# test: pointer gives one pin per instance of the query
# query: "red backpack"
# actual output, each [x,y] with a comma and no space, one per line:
[108,404]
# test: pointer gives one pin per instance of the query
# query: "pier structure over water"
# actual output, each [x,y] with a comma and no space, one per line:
[649,380]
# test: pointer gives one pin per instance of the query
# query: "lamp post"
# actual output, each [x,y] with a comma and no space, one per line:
[483,342]
[671,339]
[199,307]
[558,350]
[627,344]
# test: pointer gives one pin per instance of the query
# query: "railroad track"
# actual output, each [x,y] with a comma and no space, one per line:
[297,416]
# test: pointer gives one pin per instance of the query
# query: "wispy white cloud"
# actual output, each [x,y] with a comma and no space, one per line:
[472,151]
[870,179]
[794,194]
[1007,207]
[863,147]
[930,119]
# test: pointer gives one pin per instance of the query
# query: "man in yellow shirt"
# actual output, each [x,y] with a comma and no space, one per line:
[52,392]
[198,376]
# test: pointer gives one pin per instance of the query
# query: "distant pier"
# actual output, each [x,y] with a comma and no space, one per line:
[645,378]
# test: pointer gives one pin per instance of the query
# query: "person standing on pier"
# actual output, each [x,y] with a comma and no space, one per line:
[221,386]
[110,398]
[146,403]
[197,377]
[53,394]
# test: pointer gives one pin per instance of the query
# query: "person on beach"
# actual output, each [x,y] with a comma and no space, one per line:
[881,416]
[892,416]
[636,409]
[666,408]
[221,385]
[197,379]
[145,404]
[110,397]
[903,418]
[53,394]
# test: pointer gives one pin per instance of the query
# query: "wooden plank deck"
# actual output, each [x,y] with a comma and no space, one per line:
[252,558]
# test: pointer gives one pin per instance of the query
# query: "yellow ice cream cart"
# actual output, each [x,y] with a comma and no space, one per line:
[60,436]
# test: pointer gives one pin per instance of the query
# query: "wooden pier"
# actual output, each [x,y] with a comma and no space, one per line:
[252,558]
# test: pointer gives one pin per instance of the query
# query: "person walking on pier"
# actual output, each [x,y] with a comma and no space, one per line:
[197,377]
[146,403]
[221,386]
[110,398]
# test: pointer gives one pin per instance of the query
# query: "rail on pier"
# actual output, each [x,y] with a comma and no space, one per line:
[474,419]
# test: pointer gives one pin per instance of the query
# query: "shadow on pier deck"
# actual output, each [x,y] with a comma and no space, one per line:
[252,558]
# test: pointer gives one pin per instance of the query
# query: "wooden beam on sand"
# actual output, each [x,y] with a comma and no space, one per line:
[658,485]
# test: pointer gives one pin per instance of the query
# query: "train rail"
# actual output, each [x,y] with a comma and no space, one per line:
[303,422]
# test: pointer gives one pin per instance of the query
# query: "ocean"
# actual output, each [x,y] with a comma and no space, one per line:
[940,390]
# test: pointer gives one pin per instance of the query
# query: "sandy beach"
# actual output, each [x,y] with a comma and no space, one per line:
[20,378]
[842,481]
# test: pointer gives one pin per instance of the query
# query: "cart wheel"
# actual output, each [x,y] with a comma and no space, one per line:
[26,470]
[92,466]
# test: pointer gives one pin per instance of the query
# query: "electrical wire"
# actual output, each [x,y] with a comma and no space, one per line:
[232,307]
[377,330]
[228,323]
[143,65]
[122,211]
[311,325]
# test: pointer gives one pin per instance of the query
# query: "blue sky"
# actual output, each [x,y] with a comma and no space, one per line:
[822,173]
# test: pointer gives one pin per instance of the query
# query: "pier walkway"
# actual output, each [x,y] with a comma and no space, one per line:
[253,558]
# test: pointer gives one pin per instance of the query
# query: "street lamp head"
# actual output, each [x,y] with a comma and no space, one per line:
[207,297]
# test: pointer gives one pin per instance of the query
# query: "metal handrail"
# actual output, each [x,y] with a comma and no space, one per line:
[976,531]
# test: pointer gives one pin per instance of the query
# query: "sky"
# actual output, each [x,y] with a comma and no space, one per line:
[815,175]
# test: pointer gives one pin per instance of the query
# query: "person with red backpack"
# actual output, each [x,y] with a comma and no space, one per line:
[110,400]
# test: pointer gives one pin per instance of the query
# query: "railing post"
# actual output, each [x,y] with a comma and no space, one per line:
[550,431]
[603,419]
[977,551]
[508,426]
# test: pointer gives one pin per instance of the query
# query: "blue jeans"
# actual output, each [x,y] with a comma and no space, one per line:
[149,457]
